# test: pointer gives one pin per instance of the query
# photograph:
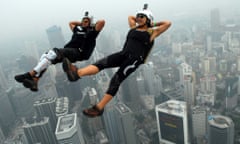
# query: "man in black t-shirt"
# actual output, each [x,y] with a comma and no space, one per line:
[79,48]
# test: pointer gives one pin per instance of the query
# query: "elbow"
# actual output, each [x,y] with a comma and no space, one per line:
[168,23]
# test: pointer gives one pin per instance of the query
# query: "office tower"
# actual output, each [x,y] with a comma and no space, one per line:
[199,122]
[215,22]
[125,125]
[2,137]
[101,138]
[209,44]
[172,122]
[68,130]
[231,83]
[31,49]
[22,101]
[209,65]
[55,37]
[119,126]
[46,107]
[7,115]
[208,84]
[187,82]
[207,91]
[38,130]
[130,94]
[62,106]
[238,63]
[148,75]
[3,80]
[220,130]
[223,66]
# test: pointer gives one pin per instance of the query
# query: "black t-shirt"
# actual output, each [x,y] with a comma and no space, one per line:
[83,38]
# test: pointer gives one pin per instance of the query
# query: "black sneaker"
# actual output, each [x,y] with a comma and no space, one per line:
[70,70]
[31,84]
[93,112]
[20,78]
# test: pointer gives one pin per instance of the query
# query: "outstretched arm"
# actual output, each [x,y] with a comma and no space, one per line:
[159,28]
[99,25]
[72,24]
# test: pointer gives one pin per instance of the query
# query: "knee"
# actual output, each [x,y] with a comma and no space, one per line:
[56,55]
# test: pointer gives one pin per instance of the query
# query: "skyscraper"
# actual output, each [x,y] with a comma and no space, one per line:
[46,107]
[125,127]
[172,122]
[7,115]
[199,122]
[119,124]
[187,82]
[68,130]
[38,130]
[220,130]
[215,20]
[55,37]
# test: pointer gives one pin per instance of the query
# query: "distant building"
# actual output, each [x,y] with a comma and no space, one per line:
[172,122]
[46,107]
[220,130]
[62,106]
[199,122]
[68,130]
[38,130]
[55,37]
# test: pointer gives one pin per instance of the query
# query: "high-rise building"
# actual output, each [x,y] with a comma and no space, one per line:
[199,122]
[31,49]
[125,127]
[101,138]
[62,106]
[215,22]
[187,82]
[148,74]
[55,37]
[3,80]
[46,107]
[209,65]
[38,130]
[118,119]
[22,101]
[220,130]
[68,130]
[208,84]
[2,137]
[7,115]
[172,122]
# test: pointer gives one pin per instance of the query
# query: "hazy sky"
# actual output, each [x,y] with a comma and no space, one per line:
[22,17]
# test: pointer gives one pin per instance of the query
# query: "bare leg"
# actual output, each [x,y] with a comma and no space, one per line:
[106,99]
[88,70]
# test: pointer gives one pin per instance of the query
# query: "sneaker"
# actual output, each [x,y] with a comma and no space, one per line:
[20,78]
[31,84]
[93,111]
[70,70]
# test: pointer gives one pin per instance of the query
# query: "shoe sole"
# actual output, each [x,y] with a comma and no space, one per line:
[28,84]
[66,67]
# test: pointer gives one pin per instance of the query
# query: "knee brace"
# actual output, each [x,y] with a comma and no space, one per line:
[45,61]
[59,56]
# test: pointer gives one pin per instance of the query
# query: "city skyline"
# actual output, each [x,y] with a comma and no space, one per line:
[199,65]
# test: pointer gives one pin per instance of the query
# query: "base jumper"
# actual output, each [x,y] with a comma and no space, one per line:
[79,48]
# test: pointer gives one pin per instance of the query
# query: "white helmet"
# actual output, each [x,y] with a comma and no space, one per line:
[148,14]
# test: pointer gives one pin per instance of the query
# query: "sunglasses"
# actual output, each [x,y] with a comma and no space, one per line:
[140,16]
[85,21]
